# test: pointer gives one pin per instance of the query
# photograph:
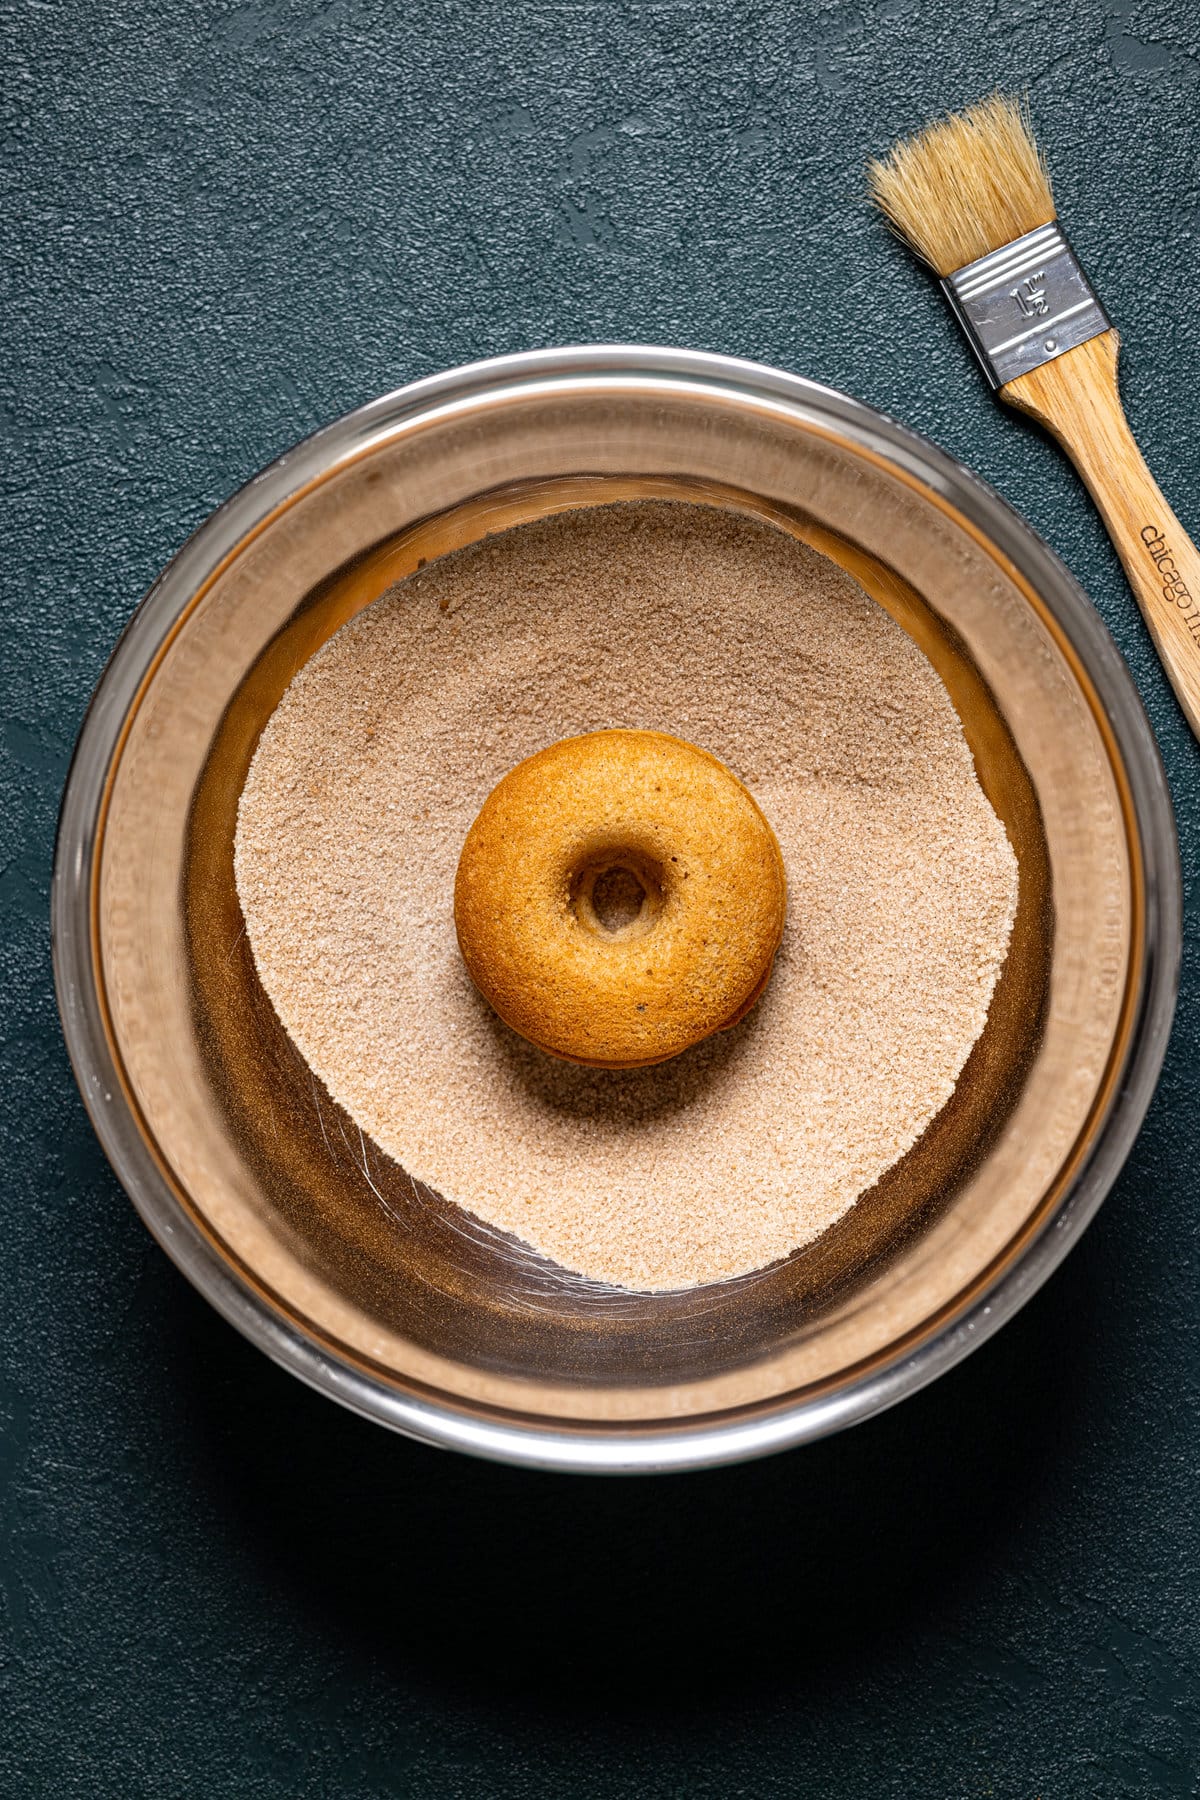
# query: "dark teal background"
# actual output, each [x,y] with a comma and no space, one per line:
[223,226]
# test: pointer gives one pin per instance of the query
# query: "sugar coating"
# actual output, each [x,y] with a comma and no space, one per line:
[659,615]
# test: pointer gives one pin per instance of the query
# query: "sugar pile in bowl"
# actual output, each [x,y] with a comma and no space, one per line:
[719,629]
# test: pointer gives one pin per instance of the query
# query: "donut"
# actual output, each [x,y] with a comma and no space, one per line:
[620,897]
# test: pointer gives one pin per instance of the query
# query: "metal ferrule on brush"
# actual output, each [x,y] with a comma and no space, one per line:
[1025,304]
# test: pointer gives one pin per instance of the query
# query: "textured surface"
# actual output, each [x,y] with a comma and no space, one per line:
[225,225]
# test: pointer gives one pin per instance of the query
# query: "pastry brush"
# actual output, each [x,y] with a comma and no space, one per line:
[971,194]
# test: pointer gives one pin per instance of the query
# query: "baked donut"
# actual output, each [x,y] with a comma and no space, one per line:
[620,897]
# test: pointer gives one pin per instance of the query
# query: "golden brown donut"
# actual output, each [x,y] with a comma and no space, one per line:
[620,897]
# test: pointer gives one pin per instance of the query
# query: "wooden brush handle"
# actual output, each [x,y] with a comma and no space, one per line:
[1076,398]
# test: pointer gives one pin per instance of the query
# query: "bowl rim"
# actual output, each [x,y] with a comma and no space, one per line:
[561,1445]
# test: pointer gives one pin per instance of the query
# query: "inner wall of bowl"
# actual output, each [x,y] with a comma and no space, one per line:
[339,1237]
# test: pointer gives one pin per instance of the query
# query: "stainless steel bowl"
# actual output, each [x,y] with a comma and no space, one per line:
[372,1288]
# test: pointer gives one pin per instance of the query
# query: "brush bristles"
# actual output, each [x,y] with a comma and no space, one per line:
[965,185]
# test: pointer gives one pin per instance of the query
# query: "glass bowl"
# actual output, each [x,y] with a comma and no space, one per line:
[370,1286]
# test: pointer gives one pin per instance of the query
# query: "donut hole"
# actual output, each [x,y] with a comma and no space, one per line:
[617,897]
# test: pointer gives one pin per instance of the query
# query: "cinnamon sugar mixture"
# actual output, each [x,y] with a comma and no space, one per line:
[902,885]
